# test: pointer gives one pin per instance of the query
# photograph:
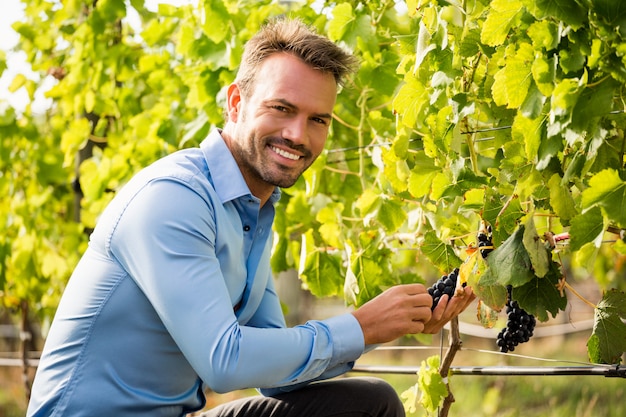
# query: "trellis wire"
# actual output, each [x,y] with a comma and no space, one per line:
[602,370]
[574,368]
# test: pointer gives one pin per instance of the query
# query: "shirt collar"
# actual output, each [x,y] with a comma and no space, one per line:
[228,182]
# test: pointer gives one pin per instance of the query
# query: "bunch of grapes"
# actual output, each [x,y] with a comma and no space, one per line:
[519,326]
[444,285]
[484,240]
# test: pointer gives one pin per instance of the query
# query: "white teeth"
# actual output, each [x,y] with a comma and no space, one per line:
[285,154]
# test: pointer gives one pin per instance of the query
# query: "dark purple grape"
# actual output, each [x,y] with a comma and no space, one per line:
[519,326]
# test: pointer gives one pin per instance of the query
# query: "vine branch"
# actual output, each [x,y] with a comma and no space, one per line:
[444,370]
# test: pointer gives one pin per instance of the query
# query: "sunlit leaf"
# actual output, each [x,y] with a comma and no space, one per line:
[585,228]
[440,254]
[561,199]
[410,102]
[343,17]
[215,20]
[512,82]
[431,384]
[499,21]
[608,191]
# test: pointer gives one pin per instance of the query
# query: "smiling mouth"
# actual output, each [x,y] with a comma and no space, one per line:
[285,154]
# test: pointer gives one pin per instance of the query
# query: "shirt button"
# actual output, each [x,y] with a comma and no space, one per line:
[246,228]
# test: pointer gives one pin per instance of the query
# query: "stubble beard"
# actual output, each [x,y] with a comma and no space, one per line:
[251,162]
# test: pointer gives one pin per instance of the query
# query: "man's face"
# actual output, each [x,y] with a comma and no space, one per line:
[277,132]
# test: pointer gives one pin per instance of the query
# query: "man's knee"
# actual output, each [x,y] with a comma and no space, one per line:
[384,396]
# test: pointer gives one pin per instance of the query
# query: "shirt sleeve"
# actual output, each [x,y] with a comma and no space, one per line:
[165,240]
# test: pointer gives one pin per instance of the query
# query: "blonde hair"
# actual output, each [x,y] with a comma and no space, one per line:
[294,37]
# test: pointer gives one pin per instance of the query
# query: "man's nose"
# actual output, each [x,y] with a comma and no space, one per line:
[295,130]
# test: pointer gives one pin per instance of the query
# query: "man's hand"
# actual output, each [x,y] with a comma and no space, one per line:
[447,309]
[406,309]
[400,310]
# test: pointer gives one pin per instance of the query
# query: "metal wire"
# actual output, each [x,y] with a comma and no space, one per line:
[601,370]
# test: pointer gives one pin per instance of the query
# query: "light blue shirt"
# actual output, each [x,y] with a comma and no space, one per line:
[175,294]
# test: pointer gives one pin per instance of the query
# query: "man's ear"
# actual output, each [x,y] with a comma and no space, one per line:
[233,101]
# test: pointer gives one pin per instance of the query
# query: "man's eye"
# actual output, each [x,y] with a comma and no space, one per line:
[281,108]
[319,120]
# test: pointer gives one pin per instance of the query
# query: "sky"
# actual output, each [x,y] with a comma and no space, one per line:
[12,10]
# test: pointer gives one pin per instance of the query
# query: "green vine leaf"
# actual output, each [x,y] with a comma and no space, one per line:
[540,296]
[441,255]
[316,266]
[431,384]
[607,191]
[561,199]
[510,262]
[608,341]
[571,12]
[540,257]
[585,228]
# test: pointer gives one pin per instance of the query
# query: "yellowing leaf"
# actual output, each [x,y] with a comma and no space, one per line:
[544,34]
[531,131]
[54,265]
[486,315]
[511,83]
[410,102]
[561,199]
[499,21]
[18,82]
[422,175]
[544,72]
[90,101]
[368,201]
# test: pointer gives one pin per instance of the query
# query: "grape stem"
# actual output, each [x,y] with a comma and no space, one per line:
[563,284]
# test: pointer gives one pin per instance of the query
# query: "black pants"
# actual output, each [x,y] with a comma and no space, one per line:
[346,397]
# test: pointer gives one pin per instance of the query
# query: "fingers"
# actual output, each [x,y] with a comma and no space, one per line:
[447,309]
[406,309]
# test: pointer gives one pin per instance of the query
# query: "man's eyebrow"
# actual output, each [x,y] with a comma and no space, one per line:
[289,104]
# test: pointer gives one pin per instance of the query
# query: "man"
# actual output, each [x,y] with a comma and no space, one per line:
[175,295]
